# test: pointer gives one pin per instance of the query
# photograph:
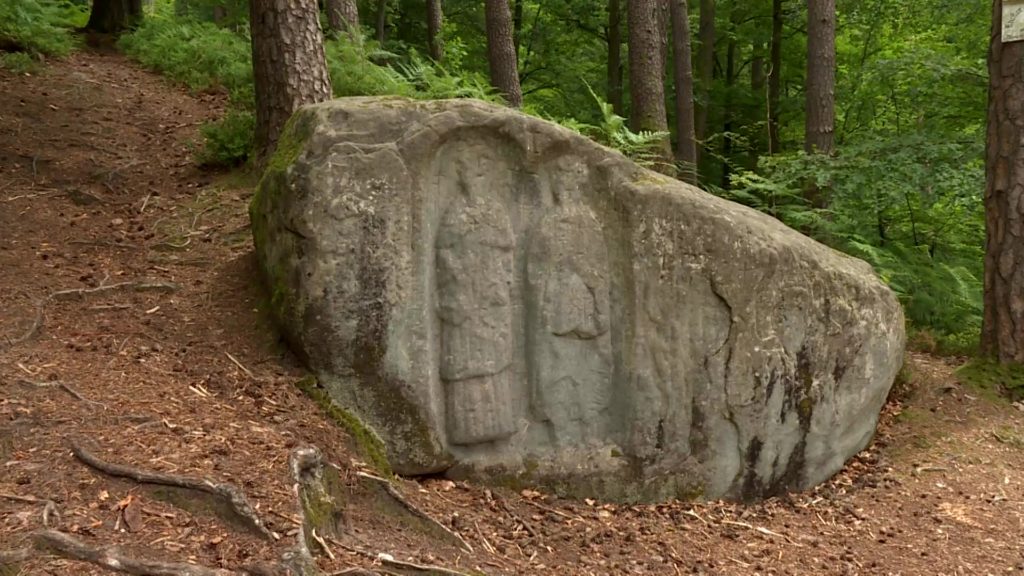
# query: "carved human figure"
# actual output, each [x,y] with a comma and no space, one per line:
[474,275]
[567,301]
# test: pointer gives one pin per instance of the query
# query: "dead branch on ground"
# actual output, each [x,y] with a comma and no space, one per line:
[229,492]
[388,560]
[62,385]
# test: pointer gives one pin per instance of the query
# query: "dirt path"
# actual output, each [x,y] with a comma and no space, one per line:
[98,195]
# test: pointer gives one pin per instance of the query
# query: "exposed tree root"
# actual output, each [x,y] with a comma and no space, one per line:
[145,285]
[112,558]
[415,511]
[228,492]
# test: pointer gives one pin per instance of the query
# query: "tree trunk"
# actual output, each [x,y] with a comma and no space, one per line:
[382,21]
[819,131]
[758,80]
[343,17]
[501,52]
[729,114]
[646,74]
[705,67]
[1002,335]
[775,79]
[615,56]
[435,43]
[289,68]
[517,24]
[821,76]
[114,16]
[686,143]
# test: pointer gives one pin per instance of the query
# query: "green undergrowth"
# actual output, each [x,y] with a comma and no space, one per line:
[366,442]
[31,30]
[993,380]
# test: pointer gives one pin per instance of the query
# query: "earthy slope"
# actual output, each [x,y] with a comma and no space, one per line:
[177,371]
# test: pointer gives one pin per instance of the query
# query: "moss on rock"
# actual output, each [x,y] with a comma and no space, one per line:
[366,442]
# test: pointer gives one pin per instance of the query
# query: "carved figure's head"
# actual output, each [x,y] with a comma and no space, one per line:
[567,176]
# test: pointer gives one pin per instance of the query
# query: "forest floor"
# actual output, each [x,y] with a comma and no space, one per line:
[132,325]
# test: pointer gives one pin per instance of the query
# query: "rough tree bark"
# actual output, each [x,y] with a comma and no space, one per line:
[435,43]
[821,76]
[686,143]
[705,67]
[343,17]
[775,78]
[382,21]
[1002,335]
[114,16]
[646,74]
[501,52]
[819,131]
[615,56]
[289,68]
[517,23]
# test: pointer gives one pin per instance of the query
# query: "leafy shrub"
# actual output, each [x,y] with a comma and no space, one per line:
[200,55]
[910,206]
[40,27]
[229,141]
[18,62]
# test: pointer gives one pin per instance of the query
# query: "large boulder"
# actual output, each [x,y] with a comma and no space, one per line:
[498,297]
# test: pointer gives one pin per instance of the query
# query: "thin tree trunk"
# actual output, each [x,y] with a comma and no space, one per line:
[729,114]
[435,43]
[686,143]
[775,79]
[517,24]
[1002,335]
[758,80]
[819,133]
[821,76]
[501,52]
[114,16]
[646,74]
[382,21]
[289,68]
[705,68]
[615,56]
[343,17]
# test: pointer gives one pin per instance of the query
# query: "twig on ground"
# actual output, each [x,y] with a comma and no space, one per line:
[388,560]
[239,364]
[322,544]
[49,507]
[145,285]
[57,384]
[760,529]
[229,492]
[414,510]
[508,509]
[554,511]
[112,558]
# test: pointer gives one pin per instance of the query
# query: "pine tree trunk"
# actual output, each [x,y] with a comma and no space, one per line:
[435,43]
[646,74]
[758,81]
[501,52]
[686,144]
[615,56]
[289,68]
[114,16]
[517,24]
[821,76]
[705,68]
[382,21]
[775,79]
[819,130]
[1002,335]
[343,17]
[728,112]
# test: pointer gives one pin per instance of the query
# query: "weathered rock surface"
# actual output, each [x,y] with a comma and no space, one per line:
[499,297]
